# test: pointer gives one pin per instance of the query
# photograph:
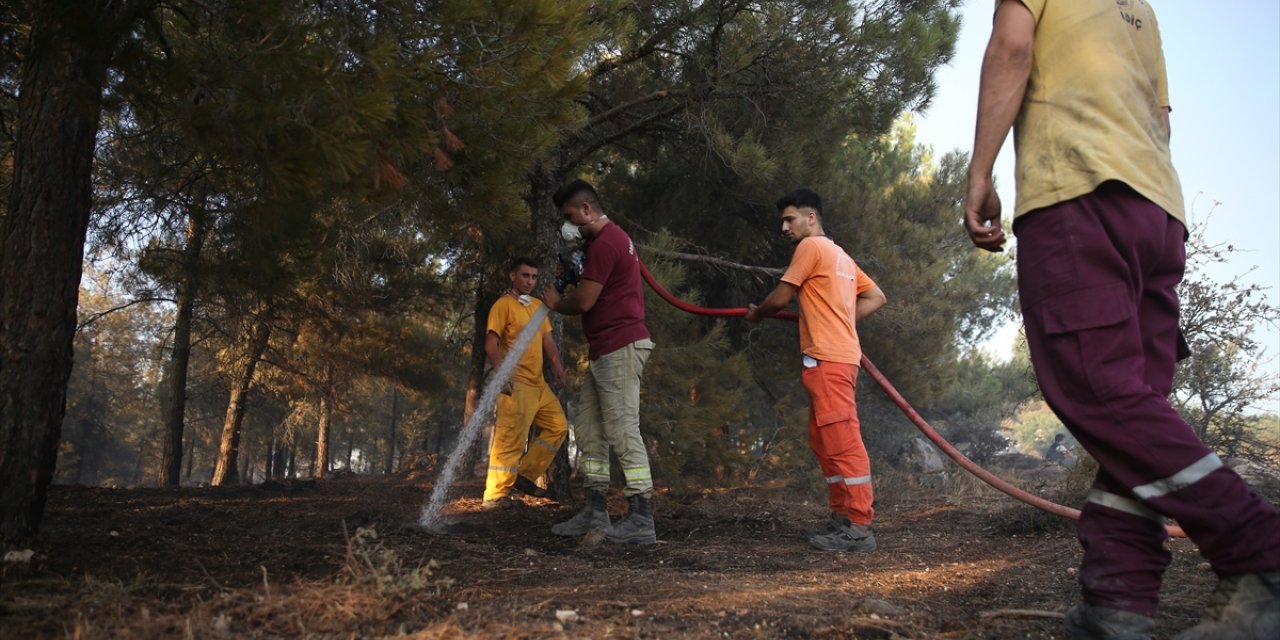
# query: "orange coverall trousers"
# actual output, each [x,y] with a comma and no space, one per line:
[836,438]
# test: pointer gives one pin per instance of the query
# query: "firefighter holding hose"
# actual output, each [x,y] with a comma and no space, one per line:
[834,295]
[610,298]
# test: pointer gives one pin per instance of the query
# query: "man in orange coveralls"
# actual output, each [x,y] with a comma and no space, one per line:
[834,295]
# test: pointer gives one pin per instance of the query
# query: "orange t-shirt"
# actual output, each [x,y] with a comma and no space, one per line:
[829,283]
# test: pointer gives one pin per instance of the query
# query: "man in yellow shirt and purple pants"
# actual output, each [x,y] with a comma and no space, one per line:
[1101,231]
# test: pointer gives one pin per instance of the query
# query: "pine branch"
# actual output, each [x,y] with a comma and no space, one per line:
[719,262]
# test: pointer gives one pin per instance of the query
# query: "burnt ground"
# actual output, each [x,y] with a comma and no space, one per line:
[284,560]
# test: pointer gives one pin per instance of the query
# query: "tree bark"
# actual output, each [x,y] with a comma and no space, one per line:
[322,438]
[389,467]
[487,292]
[42,235]
[229,448]
[174,412]
[545,221]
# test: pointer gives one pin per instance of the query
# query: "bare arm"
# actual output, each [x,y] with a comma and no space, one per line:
[777,300]
[492,349]
[868,302]
[1006,67]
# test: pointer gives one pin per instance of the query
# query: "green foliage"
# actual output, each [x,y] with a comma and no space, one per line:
[692,384]
[112,422]
[371,562]
[1219,389]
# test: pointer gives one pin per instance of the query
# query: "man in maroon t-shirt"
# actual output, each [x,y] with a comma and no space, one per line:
[610,298]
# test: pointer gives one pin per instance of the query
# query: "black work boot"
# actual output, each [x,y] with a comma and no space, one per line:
[1087,622]
[529,488]
[593,516]
[1242,607]
[637,527]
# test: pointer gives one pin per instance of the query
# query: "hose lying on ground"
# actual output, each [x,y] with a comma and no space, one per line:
[906,408]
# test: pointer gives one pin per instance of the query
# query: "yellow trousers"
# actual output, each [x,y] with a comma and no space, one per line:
[527,405]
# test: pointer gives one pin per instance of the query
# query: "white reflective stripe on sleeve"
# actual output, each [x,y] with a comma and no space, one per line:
[1185,478]
[834,479]
[858,480]
[1121,503]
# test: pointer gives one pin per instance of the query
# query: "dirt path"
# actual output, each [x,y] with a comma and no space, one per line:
[274,561]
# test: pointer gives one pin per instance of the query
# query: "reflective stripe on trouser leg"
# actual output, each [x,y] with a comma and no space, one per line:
[510,433]
[588,433]
[836,439]
[552,428]
[1101,316]
[616,376]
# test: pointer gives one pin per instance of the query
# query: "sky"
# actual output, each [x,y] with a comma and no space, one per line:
[1224,86]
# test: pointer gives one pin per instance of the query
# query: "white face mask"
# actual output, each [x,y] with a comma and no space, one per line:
[525,299]
[573,233]
[570,232]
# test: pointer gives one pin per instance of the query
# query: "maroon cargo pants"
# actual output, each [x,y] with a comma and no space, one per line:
[1097,277]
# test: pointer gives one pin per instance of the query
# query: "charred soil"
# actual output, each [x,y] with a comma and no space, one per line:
[344,558]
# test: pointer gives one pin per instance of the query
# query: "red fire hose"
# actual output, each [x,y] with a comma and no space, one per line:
[903,405]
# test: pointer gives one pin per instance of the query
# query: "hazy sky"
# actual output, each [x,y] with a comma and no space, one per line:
[1224,77]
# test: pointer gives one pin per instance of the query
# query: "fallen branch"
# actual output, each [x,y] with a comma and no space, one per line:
[1022,613]
[719,262]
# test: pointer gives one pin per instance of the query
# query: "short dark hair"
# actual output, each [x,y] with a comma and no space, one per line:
[802,197]
[1059,438]
[573,190]
[524,261]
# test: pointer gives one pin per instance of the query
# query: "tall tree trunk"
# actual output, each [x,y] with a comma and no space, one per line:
[322,438]
[389,467]
[489,286]
[42,235]
[546,230]
[229,448]
[90,453]
[191,457]
[174,411]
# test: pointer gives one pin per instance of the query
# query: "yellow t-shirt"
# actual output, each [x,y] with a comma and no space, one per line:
[507,318]
[1092,106]
[829,282]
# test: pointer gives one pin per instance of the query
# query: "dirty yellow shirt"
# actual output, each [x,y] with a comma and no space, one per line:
[1092,110]
[507,318]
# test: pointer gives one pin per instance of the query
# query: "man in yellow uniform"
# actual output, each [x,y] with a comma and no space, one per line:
[526,399]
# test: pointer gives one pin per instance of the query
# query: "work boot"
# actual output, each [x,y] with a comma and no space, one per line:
[1241,607]
[832,523]
[637,527]
[497,504]
[1087,622]
[527,487]
[845,536]
[593,516]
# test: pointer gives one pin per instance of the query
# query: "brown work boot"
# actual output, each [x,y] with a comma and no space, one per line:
[1088,622]
[1241,607]
[498,504]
